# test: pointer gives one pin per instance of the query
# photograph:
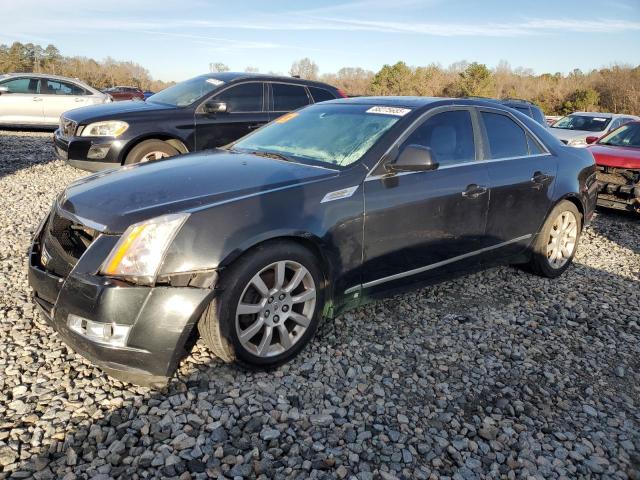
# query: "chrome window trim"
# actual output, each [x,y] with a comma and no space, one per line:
[433,266]
[445,108]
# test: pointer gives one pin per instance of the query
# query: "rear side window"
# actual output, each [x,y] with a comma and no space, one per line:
[506,138]
[55,87]
[449,135]
[21,85]
[246,97]
[288,97]
[320,94]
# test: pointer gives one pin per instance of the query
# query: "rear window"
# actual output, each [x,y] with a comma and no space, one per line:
[288,97]
[506,137]
[320,94]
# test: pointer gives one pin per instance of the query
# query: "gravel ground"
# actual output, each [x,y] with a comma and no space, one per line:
[498,375]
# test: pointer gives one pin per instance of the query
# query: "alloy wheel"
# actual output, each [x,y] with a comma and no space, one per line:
[151,156]
[276,308]
[562,239]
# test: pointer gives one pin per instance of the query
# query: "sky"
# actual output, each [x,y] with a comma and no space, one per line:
[178,39]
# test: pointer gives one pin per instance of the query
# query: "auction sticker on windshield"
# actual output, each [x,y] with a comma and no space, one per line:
[214,81]
[398,112]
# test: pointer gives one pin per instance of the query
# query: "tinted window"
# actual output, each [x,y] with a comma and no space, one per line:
[288,97]
[55,87]
[524,110]
[449,135]
[506,137]
[320,94]
[616,123]
[243,98]
[22,85]
[534,147]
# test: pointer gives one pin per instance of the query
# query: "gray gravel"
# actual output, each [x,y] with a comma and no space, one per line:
[497,375]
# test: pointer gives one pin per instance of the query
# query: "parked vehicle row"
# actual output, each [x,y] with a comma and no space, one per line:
[581,128]
[205,112]
[32,99]
[320,210]
[120,93]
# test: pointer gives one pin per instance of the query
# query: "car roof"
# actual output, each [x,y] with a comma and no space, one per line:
[228,77]
[605,114]
[41,75]
[417,102]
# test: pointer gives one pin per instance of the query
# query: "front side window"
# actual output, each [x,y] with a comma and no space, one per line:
[288,97]
[56,87]
[320,94]
[449,135]
[626,136]
[246,97]
[330,134]
[21,85]
[506,138]
[586,123]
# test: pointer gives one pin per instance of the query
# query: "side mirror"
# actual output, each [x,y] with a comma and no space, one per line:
[214,107]
[414,158]
[592,139]
[4,90]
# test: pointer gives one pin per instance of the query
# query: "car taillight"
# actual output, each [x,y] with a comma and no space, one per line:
[341,93]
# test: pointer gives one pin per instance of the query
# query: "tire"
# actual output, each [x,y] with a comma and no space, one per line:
[544,261]
[141,152]
[268,308]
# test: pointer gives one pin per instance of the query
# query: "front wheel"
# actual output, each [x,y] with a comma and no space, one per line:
[150,150]
[269,306]
[557,242]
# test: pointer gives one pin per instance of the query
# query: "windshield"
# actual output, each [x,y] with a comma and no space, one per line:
[586,123]
[626,136]
[185,93]
[334,134]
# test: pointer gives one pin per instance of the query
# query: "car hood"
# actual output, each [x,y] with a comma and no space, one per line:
[114,111]
[118,198]
[565,134]
[621,157]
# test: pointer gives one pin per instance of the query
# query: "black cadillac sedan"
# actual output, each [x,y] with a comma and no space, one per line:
[321,210]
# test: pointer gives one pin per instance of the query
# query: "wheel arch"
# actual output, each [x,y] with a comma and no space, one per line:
[172,140]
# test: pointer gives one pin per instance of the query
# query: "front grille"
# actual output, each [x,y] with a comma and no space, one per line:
[68,127]
[64,242]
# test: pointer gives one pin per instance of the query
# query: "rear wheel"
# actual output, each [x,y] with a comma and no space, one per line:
[269,307]
[557,242]
[150,150]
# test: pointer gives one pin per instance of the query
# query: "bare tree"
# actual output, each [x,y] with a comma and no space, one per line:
[218,67]
[304,68]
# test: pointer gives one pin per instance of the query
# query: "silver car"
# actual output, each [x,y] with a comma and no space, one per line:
[575,129]
[39,99]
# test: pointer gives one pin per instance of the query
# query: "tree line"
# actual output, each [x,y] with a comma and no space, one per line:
[29,57]
[612,89]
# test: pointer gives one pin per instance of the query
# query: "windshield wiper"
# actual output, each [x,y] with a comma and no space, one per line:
[277,156]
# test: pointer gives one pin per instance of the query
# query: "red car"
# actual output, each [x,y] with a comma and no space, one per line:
[125,93]
[618,161]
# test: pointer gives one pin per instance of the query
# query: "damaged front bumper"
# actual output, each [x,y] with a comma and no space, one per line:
[619,188]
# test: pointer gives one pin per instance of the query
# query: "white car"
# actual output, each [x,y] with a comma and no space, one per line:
[35,99]
[574,129]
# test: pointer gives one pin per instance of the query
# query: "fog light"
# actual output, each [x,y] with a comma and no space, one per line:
[97,152]
[111,334]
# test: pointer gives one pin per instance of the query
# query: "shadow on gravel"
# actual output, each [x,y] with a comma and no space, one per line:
[463,378]
[617,227]
[21,149]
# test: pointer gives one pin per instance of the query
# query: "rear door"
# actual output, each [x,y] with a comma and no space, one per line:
[286,97]
[59,96]
[429,223]
[522,173]
[21,104]
[246,111]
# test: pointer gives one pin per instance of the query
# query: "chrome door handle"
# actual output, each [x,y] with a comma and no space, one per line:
[540,179]
[37,99]
[474,191]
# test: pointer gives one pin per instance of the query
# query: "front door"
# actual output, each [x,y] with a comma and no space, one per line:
[423,224]
[246,111]
[58,97]
[21,104]
[521,174]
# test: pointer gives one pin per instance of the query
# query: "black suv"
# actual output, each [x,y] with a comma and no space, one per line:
[204,112]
